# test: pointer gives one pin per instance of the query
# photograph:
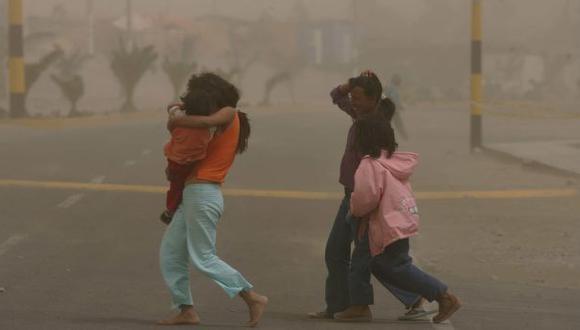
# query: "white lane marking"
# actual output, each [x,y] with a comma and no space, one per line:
[10,242]
[146,152]
[98,179]
[70,201]
[73,199]
[129,163]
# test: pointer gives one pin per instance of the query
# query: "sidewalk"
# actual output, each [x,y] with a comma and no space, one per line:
[560,155]
[96,120]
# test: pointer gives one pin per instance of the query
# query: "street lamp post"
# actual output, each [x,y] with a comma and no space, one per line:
[91,27]
[16,61]
[476,75]
[130,22]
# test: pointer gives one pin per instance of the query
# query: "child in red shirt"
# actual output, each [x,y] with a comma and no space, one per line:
[192,124]
[186,146]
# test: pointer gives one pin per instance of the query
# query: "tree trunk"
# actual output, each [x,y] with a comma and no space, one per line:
[129,105]
[73,110]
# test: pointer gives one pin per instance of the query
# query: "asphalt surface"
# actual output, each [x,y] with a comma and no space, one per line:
[83,259]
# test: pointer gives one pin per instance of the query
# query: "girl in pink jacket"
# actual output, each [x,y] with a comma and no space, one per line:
[383,197]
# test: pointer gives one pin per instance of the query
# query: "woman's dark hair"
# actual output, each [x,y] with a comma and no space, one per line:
[374,134]
[245,131]
[224,94]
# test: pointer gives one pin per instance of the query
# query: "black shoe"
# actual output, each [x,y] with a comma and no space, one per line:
[166,217]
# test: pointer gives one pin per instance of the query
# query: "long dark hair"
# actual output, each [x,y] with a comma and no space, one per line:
[225,94]
[387,108]
[374,134]
[245,131]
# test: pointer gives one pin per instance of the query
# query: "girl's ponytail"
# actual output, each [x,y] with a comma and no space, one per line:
[387,108]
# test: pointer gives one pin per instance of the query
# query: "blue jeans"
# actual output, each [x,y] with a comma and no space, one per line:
[348,282]
[191,238]
[361,257]
[395,267]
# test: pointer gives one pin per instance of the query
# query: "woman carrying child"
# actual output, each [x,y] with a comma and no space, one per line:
[191,235]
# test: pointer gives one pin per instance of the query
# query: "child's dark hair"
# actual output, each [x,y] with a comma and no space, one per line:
[374,134]
[225,94]
[198,102]
[387,108]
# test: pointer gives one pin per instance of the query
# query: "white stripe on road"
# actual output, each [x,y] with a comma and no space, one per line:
[70,201]
[73,199]
[10,242]
[129,163]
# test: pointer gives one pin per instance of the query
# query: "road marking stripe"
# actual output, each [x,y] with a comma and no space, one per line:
[70,201]
[10,242]
[289,194]
[129,163]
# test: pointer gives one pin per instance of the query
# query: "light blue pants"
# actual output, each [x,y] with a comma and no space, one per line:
[191,236]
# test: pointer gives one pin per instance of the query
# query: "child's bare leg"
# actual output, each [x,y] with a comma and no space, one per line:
[256,305]
[187,315]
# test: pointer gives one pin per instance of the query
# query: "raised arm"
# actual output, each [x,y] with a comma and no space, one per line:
[222,117]
[339,96]
[368,189]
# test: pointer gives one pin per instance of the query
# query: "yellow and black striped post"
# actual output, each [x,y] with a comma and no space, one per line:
[476,75]
[16,61]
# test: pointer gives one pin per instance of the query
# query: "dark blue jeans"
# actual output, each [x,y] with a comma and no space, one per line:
[361,257]
[348,281]
[395,267]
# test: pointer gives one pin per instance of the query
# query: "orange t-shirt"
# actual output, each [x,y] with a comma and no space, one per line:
[220,155]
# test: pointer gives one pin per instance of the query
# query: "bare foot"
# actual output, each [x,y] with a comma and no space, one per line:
[256,305]
[186,316]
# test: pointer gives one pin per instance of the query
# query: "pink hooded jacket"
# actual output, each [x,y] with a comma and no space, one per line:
[382,193]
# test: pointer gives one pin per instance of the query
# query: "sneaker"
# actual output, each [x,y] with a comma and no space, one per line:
[448,304]
[360,313]
[416,314]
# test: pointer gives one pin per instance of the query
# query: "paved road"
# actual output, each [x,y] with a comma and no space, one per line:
[87,259]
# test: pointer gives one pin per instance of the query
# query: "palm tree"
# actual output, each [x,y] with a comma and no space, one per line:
[33,71]
[178,72]
[73,89]
[129,65]
[69,80]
